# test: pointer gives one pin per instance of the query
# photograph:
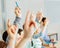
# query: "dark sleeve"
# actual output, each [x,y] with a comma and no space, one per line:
[17,21]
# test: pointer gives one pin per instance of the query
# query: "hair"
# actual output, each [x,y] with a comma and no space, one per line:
[3,44]
[5,34]
[43,19]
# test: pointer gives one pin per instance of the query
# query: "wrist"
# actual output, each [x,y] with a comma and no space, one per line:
[27,37]
[11,38]
[11,43]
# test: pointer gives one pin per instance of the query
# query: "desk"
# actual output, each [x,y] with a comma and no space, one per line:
[54,34]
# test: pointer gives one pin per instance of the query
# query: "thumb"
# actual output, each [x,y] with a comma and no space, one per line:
[8,23]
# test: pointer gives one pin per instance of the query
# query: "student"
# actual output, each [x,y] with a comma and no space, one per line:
[16,22]
[28,32]
[41,32]
[13,42]
[44,35]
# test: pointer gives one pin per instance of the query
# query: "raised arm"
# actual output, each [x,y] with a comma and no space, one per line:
[11,30]
[17,20]
[28,31]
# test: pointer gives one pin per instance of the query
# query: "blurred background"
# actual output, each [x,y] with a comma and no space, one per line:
[50,9]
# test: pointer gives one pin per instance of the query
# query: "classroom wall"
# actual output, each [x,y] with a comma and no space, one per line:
[50,9]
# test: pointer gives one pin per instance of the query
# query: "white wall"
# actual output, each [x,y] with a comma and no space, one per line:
[52,11]
[50,8]
[1,23]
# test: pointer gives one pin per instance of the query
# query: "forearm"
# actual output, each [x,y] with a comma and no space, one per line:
[11,43]
[22,43]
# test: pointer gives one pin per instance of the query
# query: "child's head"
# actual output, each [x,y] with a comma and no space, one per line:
[44,20]
[3,44]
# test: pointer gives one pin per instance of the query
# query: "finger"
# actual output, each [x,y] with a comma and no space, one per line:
[8,30]
[8,23]
[35,25]
[32,29]
[32,20]
[12,30]
[27,20]
[32,17]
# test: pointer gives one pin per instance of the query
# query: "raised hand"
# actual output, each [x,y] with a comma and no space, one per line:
[11,30]
[29,25]
[17,11]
